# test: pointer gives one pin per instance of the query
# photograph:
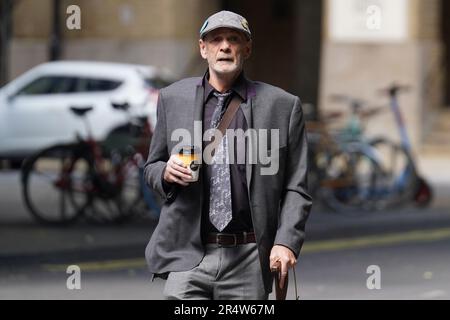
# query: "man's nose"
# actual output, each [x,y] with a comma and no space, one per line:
[225,45]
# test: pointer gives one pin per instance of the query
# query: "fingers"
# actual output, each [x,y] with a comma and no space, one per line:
[177,172]
[281,259]
[288,260]
[275,265]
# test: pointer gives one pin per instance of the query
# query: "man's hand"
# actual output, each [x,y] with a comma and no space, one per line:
[282,258]
[177,172]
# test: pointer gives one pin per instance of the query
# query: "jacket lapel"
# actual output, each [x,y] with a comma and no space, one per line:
[196,129]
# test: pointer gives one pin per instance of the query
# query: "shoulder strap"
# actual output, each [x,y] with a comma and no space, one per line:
[229,113]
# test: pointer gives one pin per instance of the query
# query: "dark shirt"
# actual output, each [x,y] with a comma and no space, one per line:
[242,220]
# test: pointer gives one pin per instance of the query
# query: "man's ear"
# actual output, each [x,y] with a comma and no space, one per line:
[202,46]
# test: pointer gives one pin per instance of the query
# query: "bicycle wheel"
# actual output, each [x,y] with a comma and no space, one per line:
[349,181]
[399,174]
[116,190]
[53,185]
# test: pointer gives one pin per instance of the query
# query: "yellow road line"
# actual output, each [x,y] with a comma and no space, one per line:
[377,240]
[309,247]
[107,265]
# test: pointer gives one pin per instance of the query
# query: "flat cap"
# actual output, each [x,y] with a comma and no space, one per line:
[225,19]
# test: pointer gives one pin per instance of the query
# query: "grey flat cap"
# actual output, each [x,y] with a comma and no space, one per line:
[225,19]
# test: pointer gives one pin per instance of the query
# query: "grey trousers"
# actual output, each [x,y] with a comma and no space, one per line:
[225,273]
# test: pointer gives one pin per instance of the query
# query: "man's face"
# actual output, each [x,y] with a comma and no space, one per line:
[225,50]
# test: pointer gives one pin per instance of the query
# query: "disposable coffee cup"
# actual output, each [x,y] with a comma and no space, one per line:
[190,156]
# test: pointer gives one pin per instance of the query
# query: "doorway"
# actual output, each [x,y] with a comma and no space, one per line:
[287,37]
[445,13]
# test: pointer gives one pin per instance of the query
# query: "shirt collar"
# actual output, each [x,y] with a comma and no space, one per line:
[239,86]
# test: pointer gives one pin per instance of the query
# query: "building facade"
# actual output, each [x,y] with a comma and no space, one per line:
[311,48]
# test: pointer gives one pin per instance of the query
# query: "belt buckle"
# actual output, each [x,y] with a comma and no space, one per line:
[226,234]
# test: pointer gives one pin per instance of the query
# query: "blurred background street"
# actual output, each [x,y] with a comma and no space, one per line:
[67,63]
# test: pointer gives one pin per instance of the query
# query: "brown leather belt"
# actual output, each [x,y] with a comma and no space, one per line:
[231,239]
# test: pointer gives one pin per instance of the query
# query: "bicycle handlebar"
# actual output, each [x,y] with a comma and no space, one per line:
[394,89]
[354,103]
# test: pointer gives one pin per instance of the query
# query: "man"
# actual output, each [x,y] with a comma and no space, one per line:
[221,236]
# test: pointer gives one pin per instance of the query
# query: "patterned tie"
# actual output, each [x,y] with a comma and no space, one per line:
[220,212]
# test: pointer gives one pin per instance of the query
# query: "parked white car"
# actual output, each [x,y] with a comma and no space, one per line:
[35,107]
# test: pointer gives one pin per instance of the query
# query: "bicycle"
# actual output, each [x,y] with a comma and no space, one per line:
[389,158]
[136,136]
[64,182]
[342,175]
[394,180]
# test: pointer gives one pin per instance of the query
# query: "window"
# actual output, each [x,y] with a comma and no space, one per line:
[50,85]
[95,85]
[156,83]
[64,84]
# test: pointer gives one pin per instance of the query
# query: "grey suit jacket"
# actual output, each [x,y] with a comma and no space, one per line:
[279,203]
